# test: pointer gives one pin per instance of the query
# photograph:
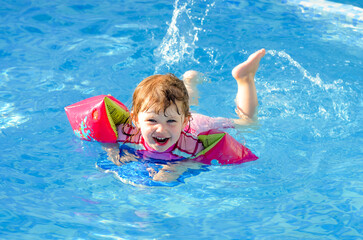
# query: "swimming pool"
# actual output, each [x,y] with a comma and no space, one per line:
[307,183]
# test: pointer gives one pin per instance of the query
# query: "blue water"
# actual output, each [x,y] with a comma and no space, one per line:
[308,182]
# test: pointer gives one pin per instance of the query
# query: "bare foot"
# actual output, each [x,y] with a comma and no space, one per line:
[246,71]
[244,74]
[191,78]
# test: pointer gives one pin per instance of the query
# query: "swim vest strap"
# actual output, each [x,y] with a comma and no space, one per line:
[95,118]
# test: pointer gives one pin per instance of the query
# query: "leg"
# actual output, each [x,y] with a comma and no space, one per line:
[244,74]
[191,78]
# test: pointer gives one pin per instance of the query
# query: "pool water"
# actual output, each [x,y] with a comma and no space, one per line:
[308,182]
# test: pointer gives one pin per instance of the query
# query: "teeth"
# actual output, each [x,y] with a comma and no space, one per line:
[161,139]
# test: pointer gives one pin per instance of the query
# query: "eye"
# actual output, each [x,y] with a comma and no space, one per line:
[151,120]
[171,121]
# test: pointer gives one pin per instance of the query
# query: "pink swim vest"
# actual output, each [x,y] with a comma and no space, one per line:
[102,118]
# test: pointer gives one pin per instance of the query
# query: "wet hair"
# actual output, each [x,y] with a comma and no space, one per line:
[158,92]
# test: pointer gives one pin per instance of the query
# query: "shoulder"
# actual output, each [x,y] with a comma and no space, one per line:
[126,132]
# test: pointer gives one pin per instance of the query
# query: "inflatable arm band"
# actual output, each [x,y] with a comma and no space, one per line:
[95,118]
[220,148]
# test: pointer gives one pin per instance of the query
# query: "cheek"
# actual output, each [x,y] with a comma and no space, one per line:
[178,129]
[145,129]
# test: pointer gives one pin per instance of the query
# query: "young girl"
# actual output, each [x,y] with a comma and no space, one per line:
[161,125]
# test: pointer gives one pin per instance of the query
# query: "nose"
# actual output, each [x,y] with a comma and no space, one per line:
[160,128]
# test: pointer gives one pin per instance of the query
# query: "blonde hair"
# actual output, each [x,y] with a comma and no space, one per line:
[158,92]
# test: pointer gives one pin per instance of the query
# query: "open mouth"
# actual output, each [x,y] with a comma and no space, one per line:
[161,141]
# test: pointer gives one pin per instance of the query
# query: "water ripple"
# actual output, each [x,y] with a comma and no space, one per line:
[9,116]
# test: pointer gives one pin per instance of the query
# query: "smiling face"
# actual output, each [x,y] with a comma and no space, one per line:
[161,130]
[160,109]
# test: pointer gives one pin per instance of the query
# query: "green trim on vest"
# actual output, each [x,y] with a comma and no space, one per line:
[209,141]
[115,114]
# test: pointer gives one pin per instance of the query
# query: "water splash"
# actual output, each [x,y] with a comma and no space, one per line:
[317,80]
[316,106]
[182,35]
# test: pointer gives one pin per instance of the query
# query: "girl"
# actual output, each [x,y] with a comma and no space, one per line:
[162,126]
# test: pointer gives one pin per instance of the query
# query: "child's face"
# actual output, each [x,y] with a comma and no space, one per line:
[162,130]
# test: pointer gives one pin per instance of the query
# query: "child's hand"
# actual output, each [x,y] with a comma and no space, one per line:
[173,171]
[167,174]
[113,153]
